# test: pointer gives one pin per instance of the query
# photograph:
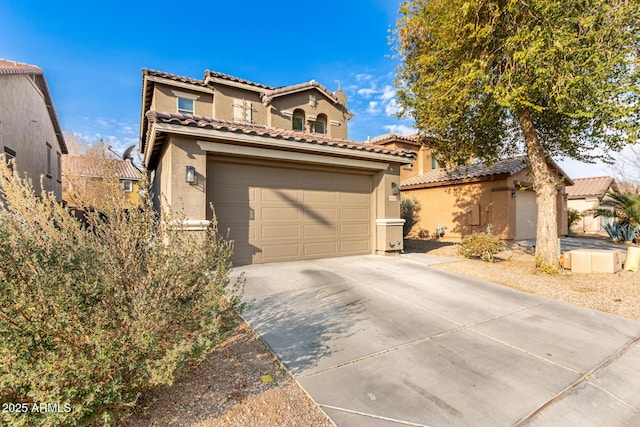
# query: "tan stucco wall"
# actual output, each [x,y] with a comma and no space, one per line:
[165,100]
[25,127]
[185,198]
[388,235]
[588,223]
[224,99]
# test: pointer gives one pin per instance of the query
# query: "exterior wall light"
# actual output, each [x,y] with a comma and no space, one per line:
[395,190]
[513,194]
[191,174]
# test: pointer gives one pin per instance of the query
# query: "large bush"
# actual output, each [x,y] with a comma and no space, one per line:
[409,209]
[96,312]
[483,245]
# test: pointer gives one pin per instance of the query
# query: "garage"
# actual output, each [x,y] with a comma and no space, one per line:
[526,215]
[277,211]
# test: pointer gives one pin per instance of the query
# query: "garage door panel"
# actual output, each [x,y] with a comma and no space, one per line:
[354,199]
[355,230]
[319,197]
[278,195]
[274,252]
[355,247]
[320,215]
[354,214]
[278,213]
[320,231]
[280,232]
[321,249]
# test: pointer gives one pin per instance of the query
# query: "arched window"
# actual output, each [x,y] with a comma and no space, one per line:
[297,120]
[320,125]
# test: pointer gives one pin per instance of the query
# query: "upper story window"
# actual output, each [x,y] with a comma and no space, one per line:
[320,125]
[185,106]
[434,162]
[186,102]
[298,120]
[49,149]
[59,167]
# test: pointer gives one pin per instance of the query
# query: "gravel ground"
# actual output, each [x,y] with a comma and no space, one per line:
[617,293]
[231,387]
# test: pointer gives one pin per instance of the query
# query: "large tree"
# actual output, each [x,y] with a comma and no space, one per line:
[492,78]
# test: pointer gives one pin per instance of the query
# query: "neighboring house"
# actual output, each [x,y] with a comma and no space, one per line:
[84,184]
[474,198]
[587,194]
[30,134]
[275,164]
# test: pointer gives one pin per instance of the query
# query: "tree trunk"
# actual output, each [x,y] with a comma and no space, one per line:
[544,184]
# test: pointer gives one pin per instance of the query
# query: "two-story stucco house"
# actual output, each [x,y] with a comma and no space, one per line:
[275,163]
[30,134]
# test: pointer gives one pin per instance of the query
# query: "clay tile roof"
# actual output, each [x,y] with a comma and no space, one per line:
[478,170]
[596,186]
[174,77]
[89,167]
[300,86]
[261,130]
[209,73]
[13,67]
[392,137]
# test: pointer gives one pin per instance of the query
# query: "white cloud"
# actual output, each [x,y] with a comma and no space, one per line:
[367,92]
[373,108]
[363,76]
[388,93]
[391,108]
[400,129]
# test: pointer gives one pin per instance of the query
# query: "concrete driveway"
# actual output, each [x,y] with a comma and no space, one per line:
[379,341]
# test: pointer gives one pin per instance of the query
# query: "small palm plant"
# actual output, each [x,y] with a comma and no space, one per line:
[626,209]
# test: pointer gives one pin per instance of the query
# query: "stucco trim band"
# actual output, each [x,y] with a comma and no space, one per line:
[265,153]
[191,224]
[389,222]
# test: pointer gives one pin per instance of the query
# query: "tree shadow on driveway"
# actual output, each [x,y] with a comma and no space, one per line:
[304,326]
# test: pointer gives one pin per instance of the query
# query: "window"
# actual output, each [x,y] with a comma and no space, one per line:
[48,160]
[298,120]
[434,163]
[59,171]
[320,125]
[185,106]
[9,156]
[127,185]
[242,111]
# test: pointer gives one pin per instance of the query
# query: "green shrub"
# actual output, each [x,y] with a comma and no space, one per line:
[409,209]
[573,216]
[485,246]
[95,313]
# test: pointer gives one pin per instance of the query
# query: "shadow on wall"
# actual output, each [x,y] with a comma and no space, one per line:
[468,214]
[301,328]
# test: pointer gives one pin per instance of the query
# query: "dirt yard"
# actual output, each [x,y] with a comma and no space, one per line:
[242,384]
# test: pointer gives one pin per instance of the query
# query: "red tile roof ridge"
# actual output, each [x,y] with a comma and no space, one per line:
[8,66]
[389,137]
[175,77]
[209,73]
[262,130]
[299,86]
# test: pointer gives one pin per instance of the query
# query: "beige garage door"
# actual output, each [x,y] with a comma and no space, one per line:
[526,215]
[287,213]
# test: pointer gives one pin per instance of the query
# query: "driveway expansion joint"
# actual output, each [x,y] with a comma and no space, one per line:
[584,379]
[378,417]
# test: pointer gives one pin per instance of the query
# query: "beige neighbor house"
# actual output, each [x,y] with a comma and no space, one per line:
[587,194]
[475,198]
[30,134]
[84,184]
[275,163]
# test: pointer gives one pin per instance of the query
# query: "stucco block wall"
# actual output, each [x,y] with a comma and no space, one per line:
[26,128]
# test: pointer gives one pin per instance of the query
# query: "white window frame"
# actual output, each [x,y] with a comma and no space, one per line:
[127,185]
[187,97]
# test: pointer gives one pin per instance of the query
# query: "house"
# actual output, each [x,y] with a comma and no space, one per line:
[30,134]
[586,194]
[275,164]
[474,198]
[84,183]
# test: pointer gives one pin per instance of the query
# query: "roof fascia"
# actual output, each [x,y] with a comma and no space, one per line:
[245,86]
[175,83]
[267,141]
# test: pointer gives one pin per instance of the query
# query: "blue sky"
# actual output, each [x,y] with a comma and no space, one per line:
[92,54]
